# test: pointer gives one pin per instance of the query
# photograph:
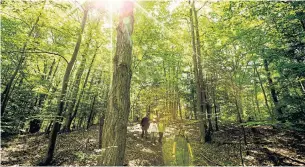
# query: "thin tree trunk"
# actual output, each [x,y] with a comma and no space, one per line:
[216,117]
[255,95]
[193,101]
[180,112]
[272,90]
[240,151]
[119,100]
[253,108]
[61,100]
[75,92]
[209,114]
[91,112]
[302,86]
[73,107]
[83,90]
[47,130]
[263,89]
[240,120]
[215,109]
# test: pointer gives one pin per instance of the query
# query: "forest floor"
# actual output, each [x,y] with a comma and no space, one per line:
[265,146]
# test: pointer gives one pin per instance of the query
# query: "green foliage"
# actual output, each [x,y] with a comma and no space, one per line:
[236,37]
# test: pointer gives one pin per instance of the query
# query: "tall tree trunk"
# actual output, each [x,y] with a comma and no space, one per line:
[272,90]
[204,104]
[263,89]
[116,119]
[75,92]
[5,95]
[61,100]
[198,86]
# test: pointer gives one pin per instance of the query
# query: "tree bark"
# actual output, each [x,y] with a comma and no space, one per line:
[115,127]
[61,100]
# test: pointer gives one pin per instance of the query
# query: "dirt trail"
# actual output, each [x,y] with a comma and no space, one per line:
[80,148]
[266,146]
[143,152]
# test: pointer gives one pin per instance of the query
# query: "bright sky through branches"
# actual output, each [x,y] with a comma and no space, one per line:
[112,6]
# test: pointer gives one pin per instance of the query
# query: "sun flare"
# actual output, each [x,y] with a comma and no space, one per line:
[112,6]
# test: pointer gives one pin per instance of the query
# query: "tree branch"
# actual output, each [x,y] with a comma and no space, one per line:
[202,6]
[46,52]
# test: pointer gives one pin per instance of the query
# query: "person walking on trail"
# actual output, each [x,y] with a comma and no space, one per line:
[144,125]
[161,128]
[182,151]
[153,129]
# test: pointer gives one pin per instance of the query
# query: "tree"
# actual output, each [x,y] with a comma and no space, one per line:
[61,100]
[203,106]
[116,118]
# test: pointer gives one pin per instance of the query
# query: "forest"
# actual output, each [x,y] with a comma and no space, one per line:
[152,83]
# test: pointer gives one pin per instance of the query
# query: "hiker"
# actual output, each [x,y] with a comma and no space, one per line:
[153,130]
[144,125]
[161,128]
[182,150]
